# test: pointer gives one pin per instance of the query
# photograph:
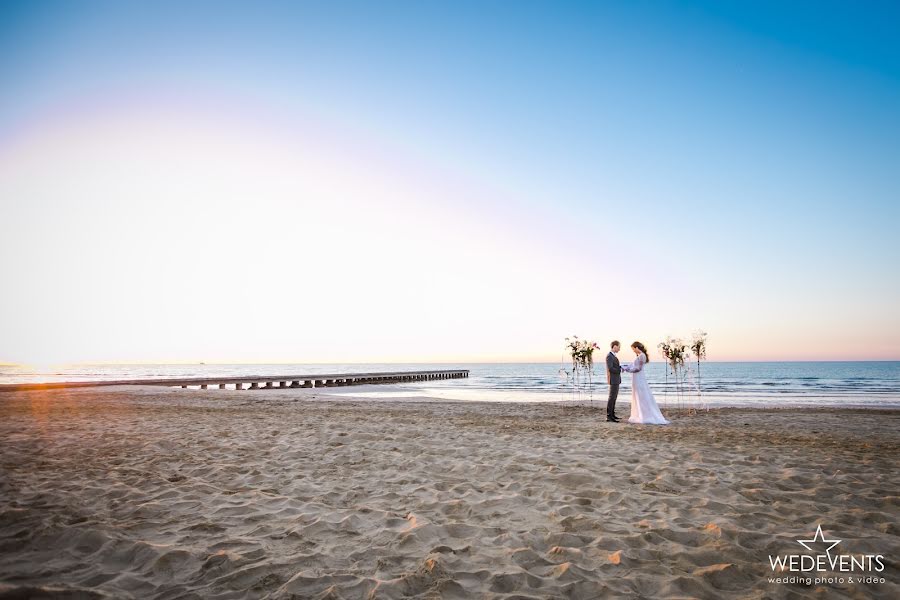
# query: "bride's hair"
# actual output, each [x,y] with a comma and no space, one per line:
[640,347]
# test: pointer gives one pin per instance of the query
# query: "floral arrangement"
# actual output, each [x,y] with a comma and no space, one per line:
[675,351]
[698,345]
[581,351]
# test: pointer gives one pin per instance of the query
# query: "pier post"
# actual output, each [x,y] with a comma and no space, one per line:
[282,384]
[254,386]
[221,386]
[203,386]
[307,383]
[239,386]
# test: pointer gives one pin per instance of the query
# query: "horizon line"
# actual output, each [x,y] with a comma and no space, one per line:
[431,362]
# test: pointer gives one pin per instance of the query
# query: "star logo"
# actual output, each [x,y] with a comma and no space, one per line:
[819,538]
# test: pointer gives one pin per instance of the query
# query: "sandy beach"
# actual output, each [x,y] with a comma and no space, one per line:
[169,493]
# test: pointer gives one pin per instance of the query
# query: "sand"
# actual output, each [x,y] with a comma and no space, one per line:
[170,493]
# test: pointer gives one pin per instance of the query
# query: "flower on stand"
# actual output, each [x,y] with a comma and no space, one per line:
[581,351]
[675,351]
[698,345]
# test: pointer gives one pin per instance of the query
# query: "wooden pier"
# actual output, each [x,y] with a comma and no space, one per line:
[256,382]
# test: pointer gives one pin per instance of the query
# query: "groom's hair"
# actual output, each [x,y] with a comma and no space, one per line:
[614,343]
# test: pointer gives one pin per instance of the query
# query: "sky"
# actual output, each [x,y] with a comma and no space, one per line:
[425,181]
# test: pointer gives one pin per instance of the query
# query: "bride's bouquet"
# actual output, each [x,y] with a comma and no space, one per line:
[582,352]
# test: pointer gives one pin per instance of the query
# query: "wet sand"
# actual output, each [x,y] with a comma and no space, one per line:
[170,493]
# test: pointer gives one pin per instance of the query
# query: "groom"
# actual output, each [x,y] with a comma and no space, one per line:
[614,379]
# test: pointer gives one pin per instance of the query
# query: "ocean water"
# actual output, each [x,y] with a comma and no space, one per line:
[718,383]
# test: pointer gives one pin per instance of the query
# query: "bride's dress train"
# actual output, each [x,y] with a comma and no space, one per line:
[643,405]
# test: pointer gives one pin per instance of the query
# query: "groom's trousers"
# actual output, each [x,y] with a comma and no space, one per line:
[611,403]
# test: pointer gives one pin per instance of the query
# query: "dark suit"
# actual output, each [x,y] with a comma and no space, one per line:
[614,377]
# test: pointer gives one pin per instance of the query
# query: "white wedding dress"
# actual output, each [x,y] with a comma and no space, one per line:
[643,405]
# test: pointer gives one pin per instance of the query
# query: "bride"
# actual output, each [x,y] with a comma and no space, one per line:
[643,406]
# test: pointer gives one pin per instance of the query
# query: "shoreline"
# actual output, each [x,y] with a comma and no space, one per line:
[403,394]
[144,493]
[624,399]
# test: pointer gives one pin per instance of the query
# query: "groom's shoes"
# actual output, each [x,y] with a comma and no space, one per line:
[612,419]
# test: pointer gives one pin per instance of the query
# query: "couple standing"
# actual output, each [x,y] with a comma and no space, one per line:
[643,406]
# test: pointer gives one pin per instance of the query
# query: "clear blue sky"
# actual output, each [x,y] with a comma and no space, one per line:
[648,167]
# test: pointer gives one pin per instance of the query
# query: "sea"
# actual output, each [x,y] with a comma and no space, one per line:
[770,384]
